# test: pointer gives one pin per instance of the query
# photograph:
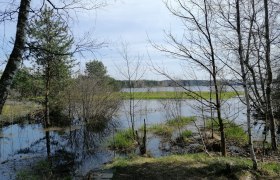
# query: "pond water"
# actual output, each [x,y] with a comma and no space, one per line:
[22,145]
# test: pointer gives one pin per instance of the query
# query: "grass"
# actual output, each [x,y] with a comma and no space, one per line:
[166,129]
[186,134]
[122,141]
[180,121]
[15,110]
[272,168]
[161,130]
[232,131]
[176,95]
[192,166]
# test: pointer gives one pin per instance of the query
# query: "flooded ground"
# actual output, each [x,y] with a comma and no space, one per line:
[85,148]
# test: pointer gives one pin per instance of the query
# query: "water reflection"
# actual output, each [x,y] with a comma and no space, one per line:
[82,142]
[83,147]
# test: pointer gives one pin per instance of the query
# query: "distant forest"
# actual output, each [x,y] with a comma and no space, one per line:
[166,83]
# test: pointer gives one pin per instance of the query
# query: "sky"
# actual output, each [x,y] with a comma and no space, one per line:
[130,22]
[134,23]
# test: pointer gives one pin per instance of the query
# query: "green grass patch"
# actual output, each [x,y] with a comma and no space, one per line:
[161,130]
[232,131]
[186,134]
[193,166]
[123,141]
[175,95]
[180,121]
[272,168]
[166,129]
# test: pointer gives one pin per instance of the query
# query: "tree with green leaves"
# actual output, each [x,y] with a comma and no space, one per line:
[96,69]
[28,84]
[50,46]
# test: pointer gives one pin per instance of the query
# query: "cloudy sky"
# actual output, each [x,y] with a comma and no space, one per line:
[132,22]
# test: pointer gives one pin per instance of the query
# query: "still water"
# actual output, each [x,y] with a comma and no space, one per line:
[22,145]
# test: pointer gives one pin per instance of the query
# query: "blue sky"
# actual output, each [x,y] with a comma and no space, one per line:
[130,21]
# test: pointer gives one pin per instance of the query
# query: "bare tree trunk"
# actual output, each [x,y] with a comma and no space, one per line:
[221,123]
[132,107]
[47,102]
[17,52]
[269,79]
[244,80]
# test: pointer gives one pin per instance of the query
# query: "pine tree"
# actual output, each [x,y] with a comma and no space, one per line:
[50,46]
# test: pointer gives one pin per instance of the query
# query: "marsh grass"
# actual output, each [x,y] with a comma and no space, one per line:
[180,121]
[233,131]
[175,95]
[186,134]
[13,111]
[193,166]
[161,130]
[123,141]
[166,129]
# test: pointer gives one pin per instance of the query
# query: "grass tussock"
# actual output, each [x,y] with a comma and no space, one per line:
[186,134]
[180,121]
[161,130]
[192,166]
[175,95]
[123,141]
[233,131]
[167,129]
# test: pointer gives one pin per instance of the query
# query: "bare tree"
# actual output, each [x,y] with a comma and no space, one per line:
[132,72]
[244,74]
[269,76]
[254,54]
[198,46]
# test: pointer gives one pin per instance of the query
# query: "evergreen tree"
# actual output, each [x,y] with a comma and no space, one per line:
[50,44]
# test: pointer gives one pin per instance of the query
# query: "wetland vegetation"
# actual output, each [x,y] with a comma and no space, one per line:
[62,118]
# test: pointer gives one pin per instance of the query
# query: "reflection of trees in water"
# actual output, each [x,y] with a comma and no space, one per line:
[88,139]
[69,149]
